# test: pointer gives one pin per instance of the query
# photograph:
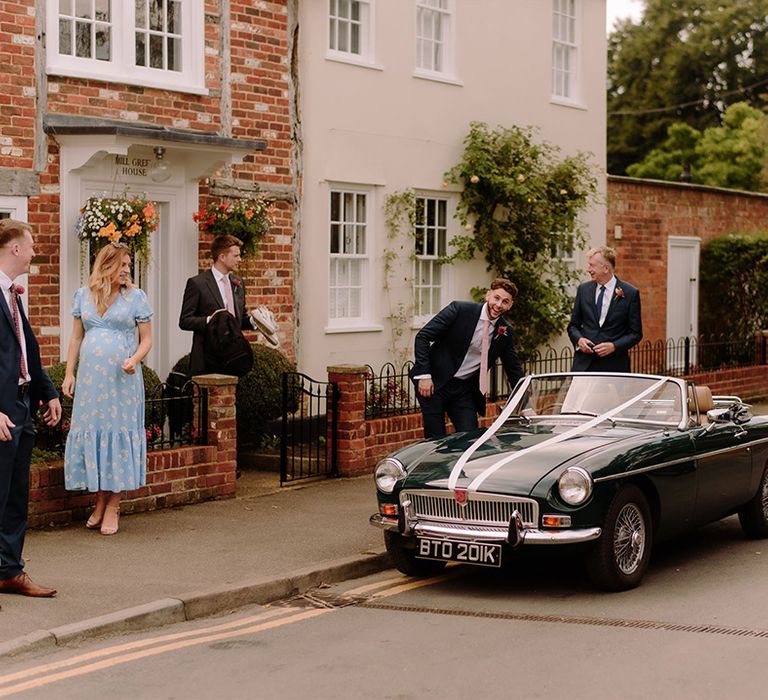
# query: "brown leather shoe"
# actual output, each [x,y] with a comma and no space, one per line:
[23,585]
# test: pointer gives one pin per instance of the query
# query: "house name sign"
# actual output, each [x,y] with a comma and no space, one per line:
[136,167]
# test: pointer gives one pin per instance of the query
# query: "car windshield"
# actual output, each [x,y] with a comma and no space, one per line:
[641,398]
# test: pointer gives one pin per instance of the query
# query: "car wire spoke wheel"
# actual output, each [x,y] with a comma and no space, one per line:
[629,538]
[753,516]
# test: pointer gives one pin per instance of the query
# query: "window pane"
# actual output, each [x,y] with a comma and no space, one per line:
[102,10]
[65,7]
[174,17]
[354,44]
[335,210]
[441,243]
[174,53]
[430,243]
[83,39]
[355,272]
[349,206]
[360,240]
[343,38]
[430,212]
[349,238]
[155,51]
[335,238]
[141,14]
[344,8]
[442,207]
[65,37]
[83,9]
[361,208]
[355,7]
[156,15]
[103,47]
[141,49]
[355,303]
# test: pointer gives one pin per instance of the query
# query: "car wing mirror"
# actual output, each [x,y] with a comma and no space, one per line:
[737,413]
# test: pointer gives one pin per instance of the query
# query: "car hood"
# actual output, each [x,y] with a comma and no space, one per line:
[519,476]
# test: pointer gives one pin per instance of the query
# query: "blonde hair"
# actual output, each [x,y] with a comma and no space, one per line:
[106,269]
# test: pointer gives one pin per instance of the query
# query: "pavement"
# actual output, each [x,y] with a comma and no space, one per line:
[183,563]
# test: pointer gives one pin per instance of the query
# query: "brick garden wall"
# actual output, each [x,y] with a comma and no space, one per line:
[651,211]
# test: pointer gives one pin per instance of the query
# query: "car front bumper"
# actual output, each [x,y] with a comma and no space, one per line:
[514,535]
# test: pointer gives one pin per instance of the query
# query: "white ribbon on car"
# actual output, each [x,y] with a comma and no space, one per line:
[513,402]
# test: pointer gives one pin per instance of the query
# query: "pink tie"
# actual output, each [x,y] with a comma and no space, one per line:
[228,295]
[17,325]
[484,359]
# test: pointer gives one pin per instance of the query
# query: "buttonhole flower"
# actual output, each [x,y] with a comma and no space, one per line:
[235,281]
[501,330]
[619,293]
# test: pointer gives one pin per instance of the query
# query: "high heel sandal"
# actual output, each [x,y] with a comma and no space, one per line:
[111,530]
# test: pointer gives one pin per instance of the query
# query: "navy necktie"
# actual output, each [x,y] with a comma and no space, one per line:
[599,304]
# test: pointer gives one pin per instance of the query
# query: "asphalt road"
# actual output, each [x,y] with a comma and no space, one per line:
[696,628]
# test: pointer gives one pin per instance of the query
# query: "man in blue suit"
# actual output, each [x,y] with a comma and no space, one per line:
[606,320]
[451,367]
[24,385]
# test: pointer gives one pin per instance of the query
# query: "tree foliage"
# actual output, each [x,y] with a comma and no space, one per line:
[697,56]
[521,202]
[734,277]
[731,155]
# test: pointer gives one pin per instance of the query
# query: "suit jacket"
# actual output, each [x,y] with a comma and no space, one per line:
[623,326]
[442,344]
[41,388]
[201,298]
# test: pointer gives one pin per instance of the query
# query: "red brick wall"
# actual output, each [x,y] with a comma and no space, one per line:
[259,110]
[650,211]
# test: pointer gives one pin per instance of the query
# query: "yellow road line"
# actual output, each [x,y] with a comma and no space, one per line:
[128,646]
[372,586]
[135,656]
[412,585]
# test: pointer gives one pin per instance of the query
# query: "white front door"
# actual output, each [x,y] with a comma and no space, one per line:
[682,287]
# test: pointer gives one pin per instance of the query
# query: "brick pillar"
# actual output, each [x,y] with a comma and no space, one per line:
[350,435]
[222,425]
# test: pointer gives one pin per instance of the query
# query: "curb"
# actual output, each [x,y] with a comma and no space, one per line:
[191,606]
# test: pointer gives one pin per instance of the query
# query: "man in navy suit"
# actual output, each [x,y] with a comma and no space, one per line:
[23,386]
[210,292]
[606,320]
[451,369]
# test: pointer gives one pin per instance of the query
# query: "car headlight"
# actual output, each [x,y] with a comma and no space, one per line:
[387,472]
[574,486]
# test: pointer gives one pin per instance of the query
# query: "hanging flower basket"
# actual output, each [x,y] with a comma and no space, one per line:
[128,220]
[247,219]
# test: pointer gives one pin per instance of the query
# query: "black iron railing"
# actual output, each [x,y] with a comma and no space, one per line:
[391,393]
[175,415]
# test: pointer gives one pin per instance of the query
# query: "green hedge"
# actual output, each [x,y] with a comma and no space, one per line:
[259,393]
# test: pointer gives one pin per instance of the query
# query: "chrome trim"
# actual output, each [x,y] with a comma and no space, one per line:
[484,509]
[672,463]
[533,536]
[378,520]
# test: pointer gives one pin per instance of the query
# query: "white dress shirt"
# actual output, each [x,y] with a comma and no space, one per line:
[610,287]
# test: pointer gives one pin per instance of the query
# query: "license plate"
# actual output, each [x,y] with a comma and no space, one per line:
[479,553]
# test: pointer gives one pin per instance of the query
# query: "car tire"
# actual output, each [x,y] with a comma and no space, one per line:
[619,559]
[754,516]
[405,560]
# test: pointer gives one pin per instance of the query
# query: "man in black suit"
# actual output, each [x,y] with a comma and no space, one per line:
[210,292]
[24,385]
[606,320]
[451,369]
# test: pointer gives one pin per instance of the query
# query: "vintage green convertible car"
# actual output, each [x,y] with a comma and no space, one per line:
[607,462]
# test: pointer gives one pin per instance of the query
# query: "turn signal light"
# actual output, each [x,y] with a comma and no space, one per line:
[556,521]
[390,510]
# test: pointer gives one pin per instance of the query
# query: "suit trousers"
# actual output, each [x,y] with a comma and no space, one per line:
[15,457]
[457,399]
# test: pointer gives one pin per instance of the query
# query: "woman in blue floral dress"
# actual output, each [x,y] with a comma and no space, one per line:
[106,450]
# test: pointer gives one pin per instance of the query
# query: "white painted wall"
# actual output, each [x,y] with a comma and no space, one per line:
[386,128]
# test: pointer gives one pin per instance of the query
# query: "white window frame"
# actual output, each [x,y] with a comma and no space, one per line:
[362,322]
[419,319]
[365,57]
[121,67]
[566,52]
[447,39]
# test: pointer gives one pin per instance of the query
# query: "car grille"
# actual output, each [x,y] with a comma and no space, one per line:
[481,508]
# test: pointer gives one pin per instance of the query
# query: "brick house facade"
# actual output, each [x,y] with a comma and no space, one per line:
[75,126]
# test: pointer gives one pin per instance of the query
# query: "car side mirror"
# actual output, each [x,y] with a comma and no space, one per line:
[737,413]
